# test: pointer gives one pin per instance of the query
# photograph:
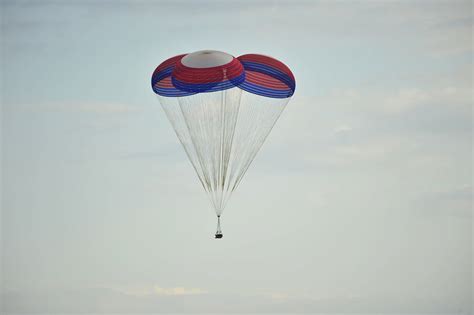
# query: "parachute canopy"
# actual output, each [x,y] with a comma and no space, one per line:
[211,71]
[222,109]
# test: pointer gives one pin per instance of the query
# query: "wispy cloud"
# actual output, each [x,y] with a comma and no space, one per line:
[76,107]
[399,100]
[156,290]
[342,128]
[178,291]
[454,201]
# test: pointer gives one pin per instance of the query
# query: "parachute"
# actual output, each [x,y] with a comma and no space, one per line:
[222,109]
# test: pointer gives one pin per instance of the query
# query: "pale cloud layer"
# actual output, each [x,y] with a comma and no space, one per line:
[77,108]
[155,290]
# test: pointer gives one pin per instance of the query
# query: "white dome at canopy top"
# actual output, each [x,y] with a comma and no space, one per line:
[206,59]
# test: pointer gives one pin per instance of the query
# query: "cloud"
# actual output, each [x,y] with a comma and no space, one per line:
[279,296]
[106,301]
[75,107]
[343,111]
[426,126]
[178,291]
[342,128]
[407,99]
[397,101]
[454,201]
[155,290]
[453,36]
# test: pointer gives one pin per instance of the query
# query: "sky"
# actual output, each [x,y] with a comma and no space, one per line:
[360,201]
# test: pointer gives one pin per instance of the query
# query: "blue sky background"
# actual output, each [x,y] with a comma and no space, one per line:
[360,200]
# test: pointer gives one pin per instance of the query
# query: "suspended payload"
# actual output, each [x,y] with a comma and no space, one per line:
[222,109]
